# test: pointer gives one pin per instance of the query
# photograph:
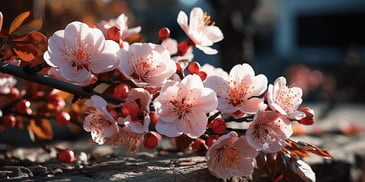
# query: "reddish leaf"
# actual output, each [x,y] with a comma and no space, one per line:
[32,37]
[19,20]
[33,25]
[42,128]
[26,52]
[314,149]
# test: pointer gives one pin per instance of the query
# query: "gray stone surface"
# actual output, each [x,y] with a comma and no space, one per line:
[106,164]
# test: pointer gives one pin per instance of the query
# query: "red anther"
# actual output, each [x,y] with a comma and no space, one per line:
[66,156]
[113,33]
[121,91]
[212,139]
[193,67]
[164,33]
[309,116]
[132,109]
[218,126]
[151,140]
[62,118]
[56,102]
[154,118]
[23,107]
[183,47]
[13,94]
[9,120]
[198,144]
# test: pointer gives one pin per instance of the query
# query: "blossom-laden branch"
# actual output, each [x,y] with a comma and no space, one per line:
[153,94]
[78,91]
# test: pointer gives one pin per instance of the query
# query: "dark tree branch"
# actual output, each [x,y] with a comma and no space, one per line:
[54,83]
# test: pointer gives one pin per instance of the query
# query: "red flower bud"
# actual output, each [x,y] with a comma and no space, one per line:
[183,47]
[62,118]
[309,116]
[9,120]
[113,33]
[13,94]
[23,107]
[212,139]
[198,144]
[218,126]
[154,118]
[56,102]
[121,91]
[151,140]
[193,67]
[66,155]
[202,75]
[164,33]
[131,108]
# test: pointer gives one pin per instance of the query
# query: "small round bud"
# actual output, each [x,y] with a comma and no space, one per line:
[62,118]
[56,102]
[132,109]
[121,91]
[193,67]
[66,156]
[151,140]
[23,107]
[113,33]
[218,126]
[198,144]
[13,94]
[9,120]
[212,139]
[183,47]
[164,33]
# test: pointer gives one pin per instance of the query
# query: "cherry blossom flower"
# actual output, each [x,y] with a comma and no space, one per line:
[210,70]
[182,107]
[99,122]
[127,138]
[200,30]
[230,156]
[121,23]
[144,99]
[285,100]
[268,131]
[237,93]
[147,64]
[78,51]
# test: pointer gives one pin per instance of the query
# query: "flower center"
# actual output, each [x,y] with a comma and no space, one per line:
[286,99]
[181,108]
[229,156]
[143,67]
[238,91]
[79,59]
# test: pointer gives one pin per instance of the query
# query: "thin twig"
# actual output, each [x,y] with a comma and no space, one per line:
[54,83]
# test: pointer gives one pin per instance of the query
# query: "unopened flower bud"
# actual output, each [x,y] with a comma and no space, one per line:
[131,108]
[193,67]
[9,120]
[151,140]
[212,139]
[164,33]
[198,144]
[23,107]
[56,102]
[113,33]
[62,118]
[183,47]
[154,117]
[121,91]
[309,116]
[13,94]
[218,126]
[66,156]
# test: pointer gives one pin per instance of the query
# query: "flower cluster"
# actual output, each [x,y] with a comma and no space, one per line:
[162,91]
